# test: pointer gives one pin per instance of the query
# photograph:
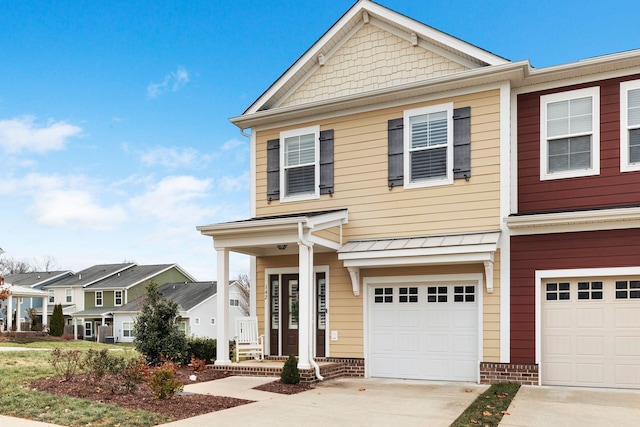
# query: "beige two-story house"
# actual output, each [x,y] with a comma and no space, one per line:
[379,177]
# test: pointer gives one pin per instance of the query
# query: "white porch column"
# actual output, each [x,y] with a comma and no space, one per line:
[9,313]
[75,329]
[45,309]
[18,307]
[223,307]
[304,306]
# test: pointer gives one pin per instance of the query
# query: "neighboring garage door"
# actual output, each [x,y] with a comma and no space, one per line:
[424,331]
[591,333]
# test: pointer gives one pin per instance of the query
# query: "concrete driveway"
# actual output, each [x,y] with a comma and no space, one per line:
[571,406]
[346,401]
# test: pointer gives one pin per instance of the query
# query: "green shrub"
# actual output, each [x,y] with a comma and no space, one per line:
[100,362]
[135,372]
[290,373]
[66,363]
[202,348]
[56,328]
[157,331]
[163,381]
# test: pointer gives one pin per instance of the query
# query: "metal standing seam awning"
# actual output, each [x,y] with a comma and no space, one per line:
[460,248]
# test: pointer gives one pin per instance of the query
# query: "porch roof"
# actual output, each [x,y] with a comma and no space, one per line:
[21,291]
[278,235]
[94,312]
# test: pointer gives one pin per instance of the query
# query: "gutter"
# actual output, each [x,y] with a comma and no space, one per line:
[315,365]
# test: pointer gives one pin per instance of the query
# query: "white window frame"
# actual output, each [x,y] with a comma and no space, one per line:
[127,327]
[52,296]
[68,295]
[88,327]
[625,87]
[213,320]
[545,100]
[234,299]
[101,298]
[432,182]
[115,298]
[196,321]
[315,130]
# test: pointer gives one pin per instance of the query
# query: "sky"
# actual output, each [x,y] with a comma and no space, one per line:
[115,141]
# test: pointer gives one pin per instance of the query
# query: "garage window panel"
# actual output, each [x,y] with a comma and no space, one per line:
[383,295]
[437,294]
[558,291]
[464,293]
[589,290]
[408,295]
[628,289]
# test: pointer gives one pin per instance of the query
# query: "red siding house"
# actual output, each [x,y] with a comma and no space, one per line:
[575,223]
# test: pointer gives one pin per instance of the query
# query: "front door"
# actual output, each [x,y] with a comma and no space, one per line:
[284,304]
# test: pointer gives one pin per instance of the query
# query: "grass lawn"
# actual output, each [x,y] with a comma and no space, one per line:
[489,408]
[18,368]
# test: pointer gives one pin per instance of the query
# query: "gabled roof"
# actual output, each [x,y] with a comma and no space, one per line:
[21,291]
[187,295]
[133,276]
[37,278]
[363,12]
[94,312]
[90,275]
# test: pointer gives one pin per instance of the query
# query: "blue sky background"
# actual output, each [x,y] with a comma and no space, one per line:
[114,132]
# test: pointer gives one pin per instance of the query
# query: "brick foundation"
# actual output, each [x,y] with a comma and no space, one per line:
[334,368]
[492,373]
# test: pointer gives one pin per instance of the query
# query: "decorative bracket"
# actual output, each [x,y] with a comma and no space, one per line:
[354,272]
[488,273]
[414,39]
[365,16]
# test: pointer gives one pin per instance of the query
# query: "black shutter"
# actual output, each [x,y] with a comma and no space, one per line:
[326,162]
[462,143]
[396,150]
[273,169]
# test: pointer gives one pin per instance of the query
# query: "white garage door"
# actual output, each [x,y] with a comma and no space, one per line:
[591,333]
[424,332]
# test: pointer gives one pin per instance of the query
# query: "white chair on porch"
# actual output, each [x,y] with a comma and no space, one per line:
[248,342]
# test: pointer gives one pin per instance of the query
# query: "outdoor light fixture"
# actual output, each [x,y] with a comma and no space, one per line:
[282,247]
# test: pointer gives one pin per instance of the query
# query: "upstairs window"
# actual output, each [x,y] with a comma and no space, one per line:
[300,165]
[630,126]
[52,298]
[428,146]
[117,298]
[300,172]
[68,295]
[98,298]
[570,134]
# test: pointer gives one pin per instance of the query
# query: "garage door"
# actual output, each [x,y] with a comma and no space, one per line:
[591,333]
[424,332]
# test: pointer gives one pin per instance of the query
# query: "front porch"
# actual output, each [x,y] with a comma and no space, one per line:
[330,368]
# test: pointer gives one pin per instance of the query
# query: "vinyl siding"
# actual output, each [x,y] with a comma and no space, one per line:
[597,249]
[360,176]
[610,188]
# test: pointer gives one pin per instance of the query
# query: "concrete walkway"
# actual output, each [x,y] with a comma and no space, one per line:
[346,401]
[539,406]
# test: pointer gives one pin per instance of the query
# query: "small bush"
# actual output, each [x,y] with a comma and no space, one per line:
[56,328]
[290,373]
[135,372]
[67,337]
[98,363]
[163,381]
[203,348]
[198,365]
[66,363]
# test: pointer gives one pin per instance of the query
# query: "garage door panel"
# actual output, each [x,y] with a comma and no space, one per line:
[591,337]
[432,338]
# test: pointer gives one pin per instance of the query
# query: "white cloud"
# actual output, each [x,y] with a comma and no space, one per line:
[23,134]
[175,200]
[75,208]
[233,143]
[173,81]
[234,183]
[173,158]
[61,201]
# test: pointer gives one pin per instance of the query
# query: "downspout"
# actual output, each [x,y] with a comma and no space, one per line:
[246,135]
[311,359]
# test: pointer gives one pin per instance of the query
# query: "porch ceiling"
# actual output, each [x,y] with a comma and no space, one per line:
[279,235]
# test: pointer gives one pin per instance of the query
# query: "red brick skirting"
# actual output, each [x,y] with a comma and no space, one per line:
[492,373]
[335,368]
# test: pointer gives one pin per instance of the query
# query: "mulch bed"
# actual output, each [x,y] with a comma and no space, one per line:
[179,406]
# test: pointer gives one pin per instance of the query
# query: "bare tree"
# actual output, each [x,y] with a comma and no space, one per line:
[10,265]
[46,263]
[244,291]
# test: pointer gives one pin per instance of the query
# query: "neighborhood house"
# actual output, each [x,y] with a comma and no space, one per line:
[423,208]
